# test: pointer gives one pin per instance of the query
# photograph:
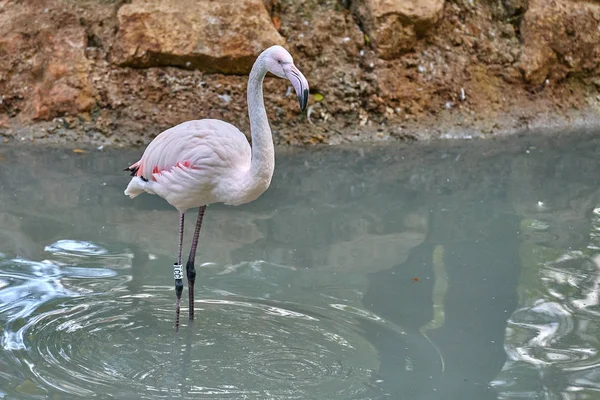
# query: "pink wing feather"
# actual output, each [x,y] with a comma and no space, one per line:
[196,153]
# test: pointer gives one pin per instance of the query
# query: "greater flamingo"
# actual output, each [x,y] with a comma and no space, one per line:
[207,161]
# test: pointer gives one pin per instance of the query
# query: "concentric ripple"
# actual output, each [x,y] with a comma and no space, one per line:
[295,364]
[88,345]
[246,342]
[244,347]
[75,247]
[284,348]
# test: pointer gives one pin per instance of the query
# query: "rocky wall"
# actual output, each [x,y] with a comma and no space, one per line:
[119,72]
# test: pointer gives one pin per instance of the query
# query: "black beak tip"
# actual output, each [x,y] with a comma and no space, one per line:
[303,100]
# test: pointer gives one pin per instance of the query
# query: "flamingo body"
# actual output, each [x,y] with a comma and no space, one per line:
[197,163]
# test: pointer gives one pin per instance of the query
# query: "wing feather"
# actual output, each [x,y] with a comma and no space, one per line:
[198,144]
[194,163]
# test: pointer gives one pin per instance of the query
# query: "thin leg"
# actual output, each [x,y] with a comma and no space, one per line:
[178,272]
[189,267]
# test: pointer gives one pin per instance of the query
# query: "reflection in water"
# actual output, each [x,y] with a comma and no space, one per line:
[552,338]
[469,294]
[253,344]
[448,271]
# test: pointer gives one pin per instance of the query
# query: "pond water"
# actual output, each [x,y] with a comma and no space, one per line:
[450,270]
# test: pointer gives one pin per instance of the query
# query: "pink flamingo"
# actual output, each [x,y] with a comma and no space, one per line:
[207,161]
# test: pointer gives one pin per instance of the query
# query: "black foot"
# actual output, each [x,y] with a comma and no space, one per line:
[191,277]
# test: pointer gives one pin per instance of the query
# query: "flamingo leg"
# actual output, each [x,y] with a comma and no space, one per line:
[189,267]
[178,272]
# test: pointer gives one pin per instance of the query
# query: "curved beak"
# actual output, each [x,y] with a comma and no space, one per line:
[299,82]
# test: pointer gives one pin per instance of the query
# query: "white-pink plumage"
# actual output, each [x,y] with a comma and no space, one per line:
[197,163]
[207,161]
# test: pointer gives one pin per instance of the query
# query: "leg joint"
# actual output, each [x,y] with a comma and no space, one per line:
[178,287]
[191,271]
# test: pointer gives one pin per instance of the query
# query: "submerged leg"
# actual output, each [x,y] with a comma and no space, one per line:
[189,267]
[178,273]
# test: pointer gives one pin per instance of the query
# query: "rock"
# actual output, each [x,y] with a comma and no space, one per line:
[210,35]
[514,7]
[396,25]
[43,55]
[560,37]
[64,88]
[503,9]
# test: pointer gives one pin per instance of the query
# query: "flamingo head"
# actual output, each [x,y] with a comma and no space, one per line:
[280,63]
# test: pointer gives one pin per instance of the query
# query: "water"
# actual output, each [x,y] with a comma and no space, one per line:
[455,270]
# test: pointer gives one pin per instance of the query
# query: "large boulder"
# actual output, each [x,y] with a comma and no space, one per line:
[43,68]
[560,37]
[210,35]
[64,86]
[396,25]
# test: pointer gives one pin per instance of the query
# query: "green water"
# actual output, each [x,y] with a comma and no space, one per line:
[451,270]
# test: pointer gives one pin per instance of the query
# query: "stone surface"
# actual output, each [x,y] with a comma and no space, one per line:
[560,37]
[396,25]
[465,77]
[43,69]
[64,87]
[511,10]
[210,35]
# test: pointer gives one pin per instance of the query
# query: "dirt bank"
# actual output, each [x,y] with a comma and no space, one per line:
[119,72]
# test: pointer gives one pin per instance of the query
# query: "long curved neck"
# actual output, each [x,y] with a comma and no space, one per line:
[263,152]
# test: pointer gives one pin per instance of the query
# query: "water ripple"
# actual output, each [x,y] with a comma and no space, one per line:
[75,247]
[551,341]
[271,349]
[72,330]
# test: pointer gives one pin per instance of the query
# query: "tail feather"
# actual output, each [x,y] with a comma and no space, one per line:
[135,188]
[137,185]
[134,168]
